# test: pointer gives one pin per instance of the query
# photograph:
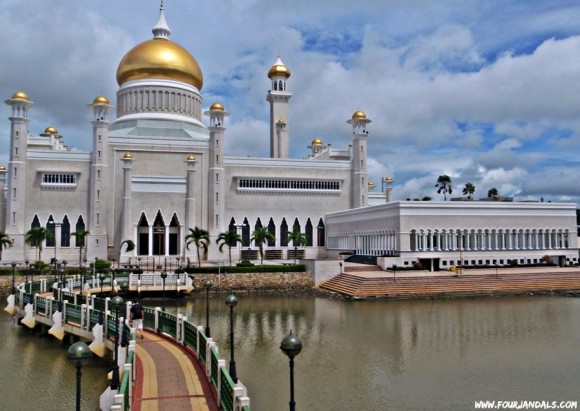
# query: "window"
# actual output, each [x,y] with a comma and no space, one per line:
[58,180]
[312,186]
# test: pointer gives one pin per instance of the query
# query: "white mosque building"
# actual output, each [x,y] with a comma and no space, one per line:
[157,170]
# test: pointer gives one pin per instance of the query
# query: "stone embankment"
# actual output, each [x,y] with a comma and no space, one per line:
[258,282]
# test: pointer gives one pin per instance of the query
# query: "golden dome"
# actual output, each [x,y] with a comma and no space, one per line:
[316,142]
[101,100]
[281,121]
[279,69]
[20,95]
[50,130]
[128,156]
[388,179]
[2,169]
[191,157]
[159,58]
[216,107]
[357,115]
[371,184]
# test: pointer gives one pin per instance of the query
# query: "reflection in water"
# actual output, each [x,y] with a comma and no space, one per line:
[382,355]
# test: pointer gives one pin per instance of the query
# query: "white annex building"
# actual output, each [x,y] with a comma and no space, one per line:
[157,170]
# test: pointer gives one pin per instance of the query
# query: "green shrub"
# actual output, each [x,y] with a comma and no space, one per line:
[245,263]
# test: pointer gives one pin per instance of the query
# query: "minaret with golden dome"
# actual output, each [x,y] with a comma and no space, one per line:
[360,188]
[17,166]
[278,97]
[216,171]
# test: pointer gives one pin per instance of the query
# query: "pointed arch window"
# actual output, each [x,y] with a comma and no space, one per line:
[321,233]
[159,234]
[232,226]
[143,236]
[51,226]
[35,222]
[271,230]
[296,225]
[308,232]
[246,233]
[65,232]
[284,233]
[80,226]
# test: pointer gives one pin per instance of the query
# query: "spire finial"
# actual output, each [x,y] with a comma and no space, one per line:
[161,30]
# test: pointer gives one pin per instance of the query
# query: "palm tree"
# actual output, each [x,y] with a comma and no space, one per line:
[5,242]
[444,184]
[200,238]
[259,237]
[298,240]
[469,189]
[493,193]
[35,237]
[81,236]
[130,247]
[230,238]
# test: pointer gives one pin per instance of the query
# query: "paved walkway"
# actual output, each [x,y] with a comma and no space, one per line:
[169,378]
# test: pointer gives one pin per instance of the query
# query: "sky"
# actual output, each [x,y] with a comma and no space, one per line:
[484,91]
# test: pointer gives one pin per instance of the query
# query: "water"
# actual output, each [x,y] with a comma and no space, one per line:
[37,376]
[380,355]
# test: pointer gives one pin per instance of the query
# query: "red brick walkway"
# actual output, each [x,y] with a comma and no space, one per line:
[169,377]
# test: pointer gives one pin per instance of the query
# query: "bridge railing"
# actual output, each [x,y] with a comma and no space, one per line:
[84,313]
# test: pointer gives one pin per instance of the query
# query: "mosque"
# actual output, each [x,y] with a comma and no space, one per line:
[156,171]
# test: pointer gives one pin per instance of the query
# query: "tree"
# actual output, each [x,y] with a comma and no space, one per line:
[444,184]
[35,237]
[259,237]
[298,240]
[230,238]
[426,198]
[493,193]
[81,236]
[200,238]
[469,189]
[130,247]
[5,242]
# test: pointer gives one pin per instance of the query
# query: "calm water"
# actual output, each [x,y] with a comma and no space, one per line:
[381,355]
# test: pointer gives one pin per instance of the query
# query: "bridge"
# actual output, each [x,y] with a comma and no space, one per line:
[172,346]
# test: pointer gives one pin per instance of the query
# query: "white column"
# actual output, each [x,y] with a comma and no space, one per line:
[150,239]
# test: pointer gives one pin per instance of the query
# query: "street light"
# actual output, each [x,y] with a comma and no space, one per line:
[291,346]
[117,301]
[232,301]
[14,264]
[395,272]
[207,284]
[64,263]
[27,262]
[102,280]
[78,354]
[163,277]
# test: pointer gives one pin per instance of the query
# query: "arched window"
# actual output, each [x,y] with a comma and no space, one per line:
[51,226]
[246,233]
[159,234]
[80,227]
[143,236]
[65,232]
[271,230]
[258,224]
[35,222]
[296,226]
[232,226]
[321,233]
[174,235]
[308,233]
[284,233]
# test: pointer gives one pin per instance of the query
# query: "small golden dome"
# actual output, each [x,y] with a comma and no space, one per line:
[281,121]
[279,69]
[50,130]
[2,169]
[101,100]
[20,95]
[216,107]
[388,179]
[371,184]
[359,115]
[191,157]
[159,58]
[317,142]
[128,156]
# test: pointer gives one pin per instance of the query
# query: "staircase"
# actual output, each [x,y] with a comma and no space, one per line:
[358,287]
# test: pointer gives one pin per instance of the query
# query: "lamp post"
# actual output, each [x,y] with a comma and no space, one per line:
[101,281]
[84,271]
[14,264]
[27,262]
[78,354]
[163,277]
[117,301]
[207,284]
[291,346]
[232,301]
[64,263]
[395,273]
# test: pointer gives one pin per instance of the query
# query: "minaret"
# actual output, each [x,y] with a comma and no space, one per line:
[388,189]
[3,173]
[359,181]
[189,195]
[216,174]
[14,216]
[99,181]
[126,232]
[278,97]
